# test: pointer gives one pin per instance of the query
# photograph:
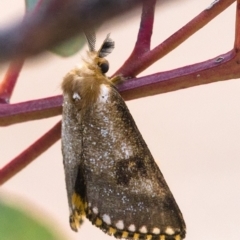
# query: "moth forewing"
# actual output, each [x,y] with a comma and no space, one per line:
[111,176]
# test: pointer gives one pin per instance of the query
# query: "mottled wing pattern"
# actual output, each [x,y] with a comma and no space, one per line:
[122,187]
[111,176]
[71,128]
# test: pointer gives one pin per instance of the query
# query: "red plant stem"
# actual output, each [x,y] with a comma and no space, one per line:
[31,110]
[8,83]
[219,68]
[237,29]
[145,31]
[32,152]
[223,67]
[140,64]
[143,42]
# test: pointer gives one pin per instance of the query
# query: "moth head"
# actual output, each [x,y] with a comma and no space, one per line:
[98,57]
[103,65]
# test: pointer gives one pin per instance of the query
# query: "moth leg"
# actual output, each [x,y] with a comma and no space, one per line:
[117,79]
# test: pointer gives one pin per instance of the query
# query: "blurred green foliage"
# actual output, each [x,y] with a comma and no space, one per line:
[16,224]
[67,48]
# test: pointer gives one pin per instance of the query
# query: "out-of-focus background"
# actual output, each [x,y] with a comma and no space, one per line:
[194,134]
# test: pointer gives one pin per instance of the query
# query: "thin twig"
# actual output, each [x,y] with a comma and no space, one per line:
[176,79]
[147,59]
[30,110]
[31,153]
[220,68]
[145,31]
[8,83]
[143,42]
[237,28]
[223,67]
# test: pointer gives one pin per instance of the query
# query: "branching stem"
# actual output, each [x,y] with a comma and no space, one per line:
[219,68]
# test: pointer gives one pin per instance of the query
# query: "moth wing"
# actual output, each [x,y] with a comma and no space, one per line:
[124,190]
[71,150]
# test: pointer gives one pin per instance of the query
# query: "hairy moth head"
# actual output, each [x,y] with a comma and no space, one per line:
[96,59]
[82,84]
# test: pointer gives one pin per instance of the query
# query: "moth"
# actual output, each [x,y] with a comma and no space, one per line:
[111,176]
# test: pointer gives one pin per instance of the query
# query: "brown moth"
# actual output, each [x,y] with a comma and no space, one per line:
[111,176]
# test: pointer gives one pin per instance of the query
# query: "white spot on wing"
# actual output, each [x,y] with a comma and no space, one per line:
[76,96]
[169,231]
[95,210]
[132,228]
[126,149]
[120,224]
[143,229]
[156,230]
[104,93]
[106,218]
[104,132]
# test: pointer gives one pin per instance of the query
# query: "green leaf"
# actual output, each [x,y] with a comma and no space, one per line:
[30,4]
[68,47]
[18,225]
